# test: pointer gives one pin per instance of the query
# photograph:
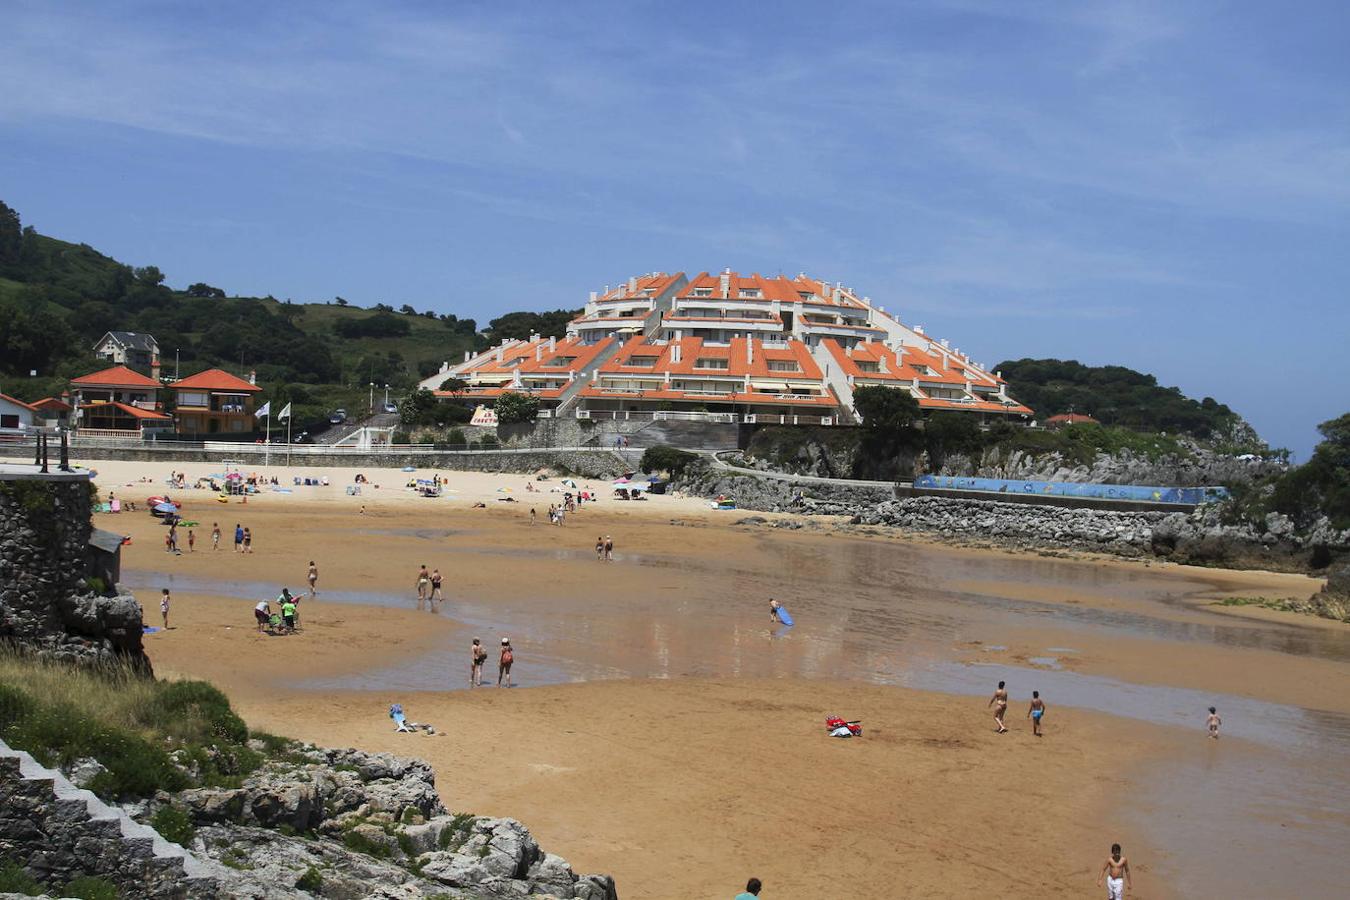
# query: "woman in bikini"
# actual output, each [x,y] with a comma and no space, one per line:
[423,586]
[1000,704]
[478,655]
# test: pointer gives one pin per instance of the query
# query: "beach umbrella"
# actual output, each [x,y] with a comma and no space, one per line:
[622,480]
[637,486]
[165,508]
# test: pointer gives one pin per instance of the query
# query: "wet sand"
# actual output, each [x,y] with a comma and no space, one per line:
[667,733]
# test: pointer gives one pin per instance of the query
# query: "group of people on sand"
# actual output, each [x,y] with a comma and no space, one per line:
[1035,710]
[478,658]
[604,548]
[429,589]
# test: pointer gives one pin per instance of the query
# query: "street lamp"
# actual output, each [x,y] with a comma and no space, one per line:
[371,411]
[386,396]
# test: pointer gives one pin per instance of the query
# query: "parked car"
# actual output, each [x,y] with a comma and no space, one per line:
[301,438]
[338,417]
[391,407]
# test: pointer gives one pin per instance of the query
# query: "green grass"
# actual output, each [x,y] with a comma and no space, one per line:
[173,825]
[127,722]
[87,887]
[14,880]
[311,881]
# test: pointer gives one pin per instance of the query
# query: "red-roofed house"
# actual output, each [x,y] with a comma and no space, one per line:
[54,411]
[15,416]
[214,402]
[118,403]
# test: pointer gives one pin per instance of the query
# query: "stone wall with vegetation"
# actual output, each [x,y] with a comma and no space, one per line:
[45,604]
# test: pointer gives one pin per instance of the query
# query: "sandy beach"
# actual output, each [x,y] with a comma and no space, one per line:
[664,731]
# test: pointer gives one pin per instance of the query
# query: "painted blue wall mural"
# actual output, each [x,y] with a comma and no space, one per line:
[1189,495]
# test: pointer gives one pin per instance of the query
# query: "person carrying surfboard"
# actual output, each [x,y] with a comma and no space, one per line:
[778,613]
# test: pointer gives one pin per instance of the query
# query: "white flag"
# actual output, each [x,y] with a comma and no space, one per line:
[285,412]
[264,411]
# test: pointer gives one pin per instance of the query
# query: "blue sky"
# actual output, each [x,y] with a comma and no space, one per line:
[1159,185]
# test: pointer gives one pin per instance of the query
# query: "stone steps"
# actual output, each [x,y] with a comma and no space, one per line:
[74,804]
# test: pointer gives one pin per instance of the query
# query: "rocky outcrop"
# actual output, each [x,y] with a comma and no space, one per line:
[350,824]
[1196,466]
[45,605]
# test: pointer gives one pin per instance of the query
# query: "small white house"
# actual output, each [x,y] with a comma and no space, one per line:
[16,417]
[135,350]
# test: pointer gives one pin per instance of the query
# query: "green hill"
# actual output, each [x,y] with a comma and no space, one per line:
[58,298]
[1115,395]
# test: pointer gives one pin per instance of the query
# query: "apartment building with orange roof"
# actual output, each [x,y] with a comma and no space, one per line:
[735,347]
[744,379]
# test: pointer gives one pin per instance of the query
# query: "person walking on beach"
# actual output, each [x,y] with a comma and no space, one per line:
[599,547]
[1035,712]
[504,663]
[238,538]
[752,889]
[1000,704]
[533,516]
[164,607]
[423,586]
[477,656]
[1116,872]
[215,535]
[436,595]
[609,549]
[192,542]
[263,614]
[313,579]
[248,540]
[288,612]
[1212,723]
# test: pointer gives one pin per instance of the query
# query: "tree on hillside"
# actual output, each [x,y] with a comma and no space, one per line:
[11,237]
[1321,486]
[149,275]
[202,289]
[340,301]
[407,310]
[454,385]
[520,325]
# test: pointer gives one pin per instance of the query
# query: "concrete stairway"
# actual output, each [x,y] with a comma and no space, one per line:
[567,400]
[837,382]
[74,814]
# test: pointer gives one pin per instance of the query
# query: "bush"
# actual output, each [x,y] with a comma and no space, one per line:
[173,825]
[87,887]
[662,458]
[196,706]
[14,880]
[456,437]
[355,840]
[311,881]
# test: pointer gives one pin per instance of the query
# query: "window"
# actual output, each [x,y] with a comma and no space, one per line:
[641,361]
[784,365]
[191,399]
[561,361]
[921,369]
[750,293]
[9,421]
[868,367]
[707,363]
[805,295]
[702,292]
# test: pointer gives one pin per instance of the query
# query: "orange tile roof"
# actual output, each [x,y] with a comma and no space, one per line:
[777,287]
[215,380]
[50,403]
[904,369]
[17,402]
[527,351]
[693,349]
[134,411]
[117,376]
[656,282]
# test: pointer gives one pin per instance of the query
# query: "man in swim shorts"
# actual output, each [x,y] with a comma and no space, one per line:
[263,613]
[1213,723]
[1035,712]
[1000,704]
[773,610]
[423,586]
[313,579]
[1116,871]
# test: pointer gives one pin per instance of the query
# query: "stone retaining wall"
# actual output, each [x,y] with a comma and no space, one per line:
[45,605]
